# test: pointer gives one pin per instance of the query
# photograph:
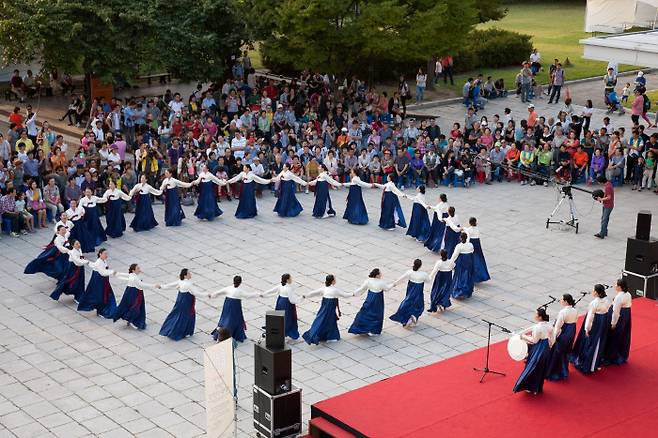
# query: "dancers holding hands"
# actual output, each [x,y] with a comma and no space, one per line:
[287,301]
[144,219]
[419,225]
[355,211]
[370,319]
[322,207]
[207,203]
[174,214]
[132,308]
[391,212]
[325,324]
[247,207]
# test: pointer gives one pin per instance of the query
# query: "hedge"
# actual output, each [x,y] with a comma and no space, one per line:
[492,48]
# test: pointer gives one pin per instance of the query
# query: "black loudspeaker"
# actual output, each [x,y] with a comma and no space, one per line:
[641,256]
[638,288]
[278,416]
[643,227]
[273,369]
[275,329]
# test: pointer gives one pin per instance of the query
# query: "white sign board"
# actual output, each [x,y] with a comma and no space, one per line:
[220,406]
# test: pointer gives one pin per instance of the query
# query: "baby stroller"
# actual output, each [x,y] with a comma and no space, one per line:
[613,103]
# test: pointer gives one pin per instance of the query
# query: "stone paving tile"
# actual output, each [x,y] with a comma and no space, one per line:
[89,377]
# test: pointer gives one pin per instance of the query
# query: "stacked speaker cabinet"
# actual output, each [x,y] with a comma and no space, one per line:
[641,267]
[277,403]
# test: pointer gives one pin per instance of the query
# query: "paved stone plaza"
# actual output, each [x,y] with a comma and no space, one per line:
[69,374]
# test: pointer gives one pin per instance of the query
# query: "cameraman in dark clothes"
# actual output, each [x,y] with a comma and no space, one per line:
[608,202]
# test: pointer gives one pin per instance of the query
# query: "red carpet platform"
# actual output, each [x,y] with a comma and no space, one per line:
[446,399]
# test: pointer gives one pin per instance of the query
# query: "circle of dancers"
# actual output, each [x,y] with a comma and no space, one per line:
[604,338]
[79,231]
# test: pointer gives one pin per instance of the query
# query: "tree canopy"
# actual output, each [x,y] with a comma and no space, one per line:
[342,36]
[112,38]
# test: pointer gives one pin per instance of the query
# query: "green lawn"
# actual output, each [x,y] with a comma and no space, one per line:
[653,98]
[556,29]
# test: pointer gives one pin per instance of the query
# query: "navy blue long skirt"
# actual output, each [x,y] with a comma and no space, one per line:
[532,377]
[247,204]
[180,321]
[132,308]
[71,283]
[618,344]
[80,233]
[290,318]
[588,350]
[322,200]
[174,213]
[441,289]
[207,206]
[287,204]
[434,240]
[480,271]
[419,225]
[232,320]
[355,212]
[98,296]
[50,262]
[391,214]
[451,241]
[412,304]
[116,223]
[94,227]
[558,366]
[325,324]
[462,280]
[370,318]
[144,219]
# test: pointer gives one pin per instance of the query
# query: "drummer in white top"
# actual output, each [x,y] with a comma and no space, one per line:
[564,333]
[541,337]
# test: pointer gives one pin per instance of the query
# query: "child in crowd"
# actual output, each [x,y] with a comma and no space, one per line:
[638,172]
[625,92]
[22,210]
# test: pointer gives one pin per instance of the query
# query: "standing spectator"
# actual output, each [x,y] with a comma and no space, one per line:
[403,90]
[526,82]
[438,69]
[609,83]
[535,65]
[556,83]
[447,65]
[421,83]
[16,83]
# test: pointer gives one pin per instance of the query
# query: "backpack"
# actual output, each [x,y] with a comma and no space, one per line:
[646,104]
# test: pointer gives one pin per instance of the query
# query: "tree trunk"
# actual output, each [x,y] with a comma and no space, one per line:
[430,74]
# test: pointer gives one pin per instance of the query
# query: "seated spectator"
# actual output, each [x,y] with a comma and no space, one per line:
[580,162]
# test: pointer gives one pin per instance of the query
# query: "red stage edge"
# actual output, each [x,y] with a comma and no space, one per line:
[408,405]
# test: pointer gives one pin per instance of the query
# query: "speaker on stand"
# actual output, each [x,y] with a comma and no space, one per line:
[277,403]
[641,267]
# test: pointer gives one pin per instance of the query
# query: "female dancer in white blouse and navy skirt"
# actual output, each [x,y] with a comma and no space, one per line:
[181,320]
[174,213]
[391,213]
[287,204]
[322,206]
[453,230]
[588,350]
[207,203]
[462,257]
[91,217]
[132,307]
[144,219]
[434,240]
[370,319]
[325,324]
[79,231]
[442,285]
[413,304]
[53,260]
[355,210]
[564,333]
[73,280]
[618,344]
[287,301]
[114,219]
[480,271]
[247,207]
[232,318]
[99,295]
[419,225]
[532,378]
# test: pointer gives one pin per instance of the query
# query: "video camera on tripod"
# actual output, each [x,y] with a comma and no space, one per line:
[566,191]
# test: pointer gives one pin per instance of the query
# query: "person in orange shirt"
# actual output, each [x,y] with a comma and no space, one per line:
[532,116]
[580,161]
[17,118]
[512,161]
[343,138]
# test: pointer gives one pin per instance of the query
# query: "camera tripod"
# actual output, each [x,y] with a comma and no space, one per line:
[568,197]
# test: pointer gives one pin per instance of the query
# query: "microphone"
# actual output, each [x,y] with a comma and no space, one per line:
[506,330]
[607,286]
[552,298]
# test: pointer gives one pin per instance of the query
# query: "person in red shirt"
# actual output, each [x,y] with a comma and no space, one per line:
[16,117]
[580,161]
[608,202]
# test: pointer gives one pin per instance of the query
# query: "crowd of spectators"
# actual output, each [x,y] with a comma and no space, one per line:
[305,122]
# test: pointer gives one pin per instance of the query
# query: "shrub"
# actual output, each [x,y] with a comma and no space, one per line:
[492,48]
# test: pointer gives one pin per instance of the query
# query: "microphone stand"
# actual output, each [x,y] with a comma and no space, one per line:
[486,370]
[553,299]
[582,295]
